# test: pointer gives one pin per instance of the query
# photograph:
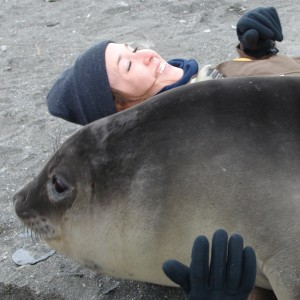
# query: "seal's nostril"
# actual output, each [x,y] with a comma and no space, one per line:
[25,214]
[19,195]
[16,197]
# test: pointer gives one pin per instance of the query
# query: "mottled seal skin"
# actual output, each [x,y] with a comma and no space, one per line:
[127,192]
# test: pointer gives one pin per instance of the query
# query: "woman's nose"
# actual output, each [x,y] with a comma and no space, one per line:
[145,56]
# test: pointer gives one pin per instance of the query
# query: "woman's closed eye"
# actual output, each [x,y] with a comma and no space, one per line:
[129,65]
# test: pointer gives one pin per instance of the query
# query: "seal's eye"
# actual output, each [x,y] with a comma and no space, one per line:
[58,185]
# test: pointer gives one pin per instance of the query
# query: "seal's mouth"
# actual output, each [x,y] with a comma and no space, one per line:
[40,227]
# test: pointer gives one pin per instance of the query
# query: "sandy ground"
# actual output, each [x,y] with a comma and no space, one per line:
[38,40]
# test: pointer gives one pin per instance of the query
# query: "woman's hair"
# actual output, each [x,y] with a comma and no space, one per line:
[119,97]
[123,100]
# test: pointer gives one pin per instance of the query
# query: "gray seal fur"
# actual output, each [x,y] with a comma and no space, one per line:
[127,192]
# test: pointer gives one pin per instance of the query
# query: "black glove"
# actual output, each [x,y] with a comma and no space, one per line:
[258,29]
[231,280]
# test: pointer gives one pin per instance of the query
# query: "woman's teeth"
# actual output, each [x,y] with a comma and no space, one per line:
[161,68]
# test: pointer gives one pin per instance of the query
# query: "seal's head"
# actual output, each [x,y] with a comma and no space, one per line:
[86,202]
[44,203]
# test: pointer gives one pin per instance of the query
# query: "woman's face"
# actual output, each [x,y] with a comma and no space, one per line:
[138,73]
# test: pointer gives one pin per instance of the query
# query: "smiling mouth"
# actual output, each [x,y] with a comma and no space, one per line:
[161,68]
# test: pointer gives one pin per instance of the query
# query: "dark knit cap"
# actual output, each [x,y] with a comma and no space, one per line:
[82,93]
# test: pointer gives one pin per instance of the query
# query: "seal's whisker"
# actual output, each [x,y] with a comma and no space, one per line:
[32,239]
[36,237]
[56,144]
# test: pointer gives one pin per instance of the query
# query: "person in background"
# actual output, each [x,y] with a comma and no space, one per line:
[111,77]
[257,32]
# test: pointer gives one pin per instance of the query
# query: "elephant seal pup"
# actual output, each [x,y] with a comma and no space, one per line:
[127,192]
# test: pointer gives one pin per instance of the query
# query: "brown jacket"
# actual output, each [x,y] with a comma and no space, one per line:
[275,65]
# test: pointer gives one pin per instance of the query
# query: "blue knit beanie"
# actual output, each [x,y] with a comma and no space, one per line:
[82,93]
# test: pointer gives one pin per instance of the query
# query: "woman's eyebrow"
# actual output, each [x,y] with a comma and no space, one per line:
[119,58]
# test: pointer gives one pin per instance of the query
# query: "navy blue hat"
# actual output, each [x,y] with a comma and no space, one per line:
[82,93]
